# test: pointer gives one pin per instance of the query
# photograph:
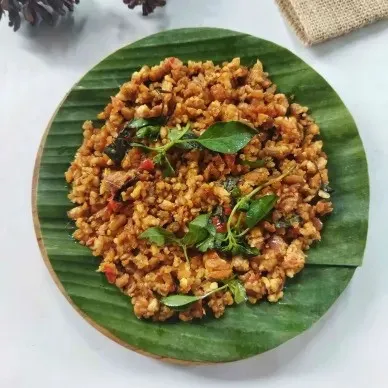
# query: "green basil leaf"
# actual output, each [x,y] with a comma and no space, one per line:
[167,168]
[236,192]
[182,302]
[149,132]
[143,122]
[190,145]
[178,301]
[226,137]
[253,163]
[219,240]
[238,291]
[259,208]
[159,236]
[174,134]
[242,248]
[214,241]
[198,230]
[230,183]
[244,206]
[206,244]
[158,158]
[149,128]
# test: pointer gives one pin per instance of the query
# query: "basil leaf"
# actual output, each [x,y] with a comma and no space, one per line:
[226,137]
[211,242]
[219,239]
[167,168]
[174,134]
[190,145]
[238,291]
[159,236]
[230,183]
[242,248]
[236,192]
[120,146]
[198,230]
[178,301]
[206,244]
[253,163]
[143,122]
[150,132]
[145,128]
[214,241]
[182,302]
[259,208]
[244,206]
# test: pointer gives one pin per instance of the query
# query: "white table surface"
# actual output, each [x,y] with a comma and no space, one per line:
[44,342]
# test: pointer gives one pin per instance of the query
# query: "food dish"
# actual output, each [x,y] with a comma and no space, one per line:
[245,329]
[202,189]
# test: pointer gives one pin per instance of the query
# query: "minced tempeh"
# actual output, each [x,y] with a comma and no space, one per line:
[200,93]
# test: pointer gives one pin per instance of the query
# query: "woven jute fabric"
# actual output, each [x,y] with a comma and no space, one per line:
[315,21]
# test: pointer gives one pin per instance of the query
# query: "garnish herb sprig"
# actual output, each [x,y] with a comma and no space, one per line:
[224,137]
[181,302]
[198,232]
[256,211]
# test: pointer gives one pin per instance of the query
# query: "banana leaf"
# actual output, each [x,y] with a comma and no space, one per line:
[244,330]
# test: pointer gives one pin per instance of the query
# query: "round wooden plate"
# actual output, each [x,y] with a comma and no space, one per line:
[245,330]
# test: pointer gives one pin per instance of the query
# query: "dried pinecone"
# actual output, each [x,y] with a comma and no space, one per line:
[35,10]
[147,5]
[49,10]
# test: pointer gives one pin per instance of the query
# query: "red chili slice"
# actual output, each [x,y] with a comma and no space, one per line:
[110,273]
[113,205]
[147,164]
[227,210]
[220,226]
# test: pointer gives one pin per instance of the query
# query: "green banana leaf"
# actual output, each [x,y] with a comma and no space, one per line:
[244,330]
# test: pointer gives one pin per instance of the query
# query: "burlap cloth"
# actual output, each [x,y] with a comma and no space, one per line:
[317,20]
